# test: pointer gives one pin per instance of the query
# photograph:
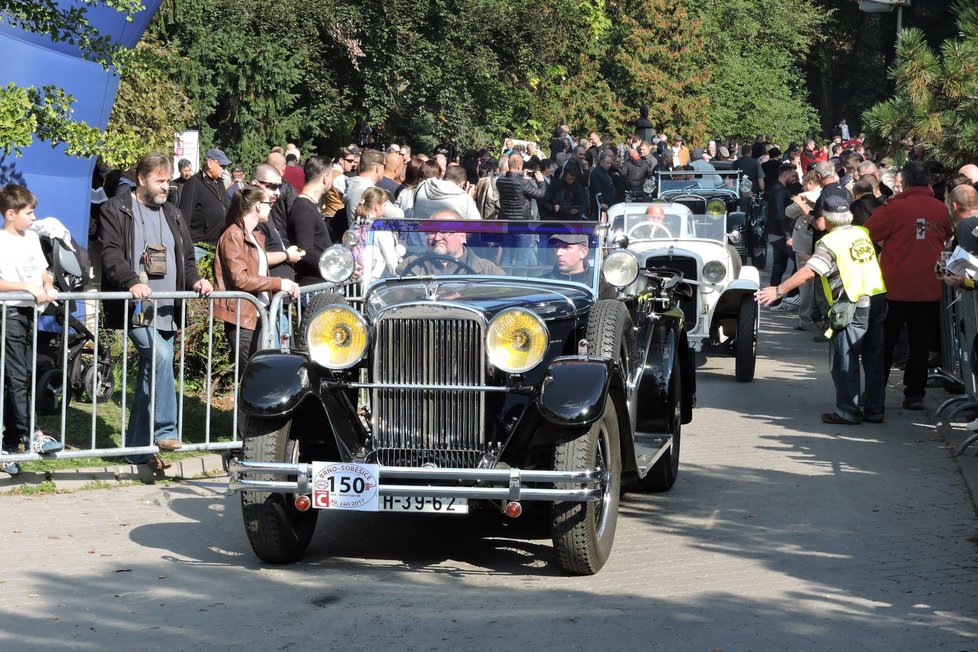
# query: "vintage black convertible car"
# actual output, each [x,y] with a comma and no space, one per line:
[475,375]
[746,230]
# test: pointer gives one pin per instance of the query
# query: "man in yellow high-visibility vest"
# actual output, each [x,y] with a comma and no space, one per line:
[853,285]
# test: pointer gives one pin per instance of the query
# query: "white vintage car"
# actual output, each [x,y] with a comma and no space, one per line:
[721,311]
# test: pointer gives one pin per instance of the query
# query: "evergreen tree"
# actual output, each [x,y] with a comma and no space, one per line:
[936,98]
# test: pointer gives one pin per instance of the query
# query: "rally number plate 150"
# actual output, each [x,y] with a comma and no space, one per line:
[351,486]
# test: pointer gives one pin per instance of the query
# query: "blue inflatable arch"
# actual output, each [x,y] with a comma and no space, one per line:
[62,182]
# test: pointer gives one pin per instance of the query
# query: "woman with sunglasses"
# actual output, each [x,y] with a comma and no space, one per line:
[242,264]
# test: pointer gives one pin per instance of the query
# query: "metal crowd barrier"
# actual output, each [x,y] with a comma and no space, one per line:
[77,444]
[959,348]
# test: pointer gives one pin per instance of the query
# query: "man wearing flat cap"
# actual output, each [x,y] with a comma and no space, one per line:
[852,281]
[204,199]
[570,262]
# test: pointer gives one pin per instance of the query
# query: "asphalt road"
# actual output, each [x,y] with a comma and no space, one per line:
[782,533]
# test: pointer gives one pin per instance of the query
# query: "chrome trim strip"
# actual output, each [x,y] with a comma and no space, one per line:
[454,388]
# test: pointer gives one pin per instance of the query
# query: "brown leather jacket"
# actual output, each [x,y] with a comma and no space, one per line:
[236,268]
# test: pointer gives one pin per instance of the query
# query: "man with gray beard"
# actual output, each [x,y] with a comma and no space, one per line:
[147,248]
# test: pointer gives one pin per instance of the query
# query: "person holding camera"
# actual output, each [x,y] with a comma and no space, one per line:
[147,248]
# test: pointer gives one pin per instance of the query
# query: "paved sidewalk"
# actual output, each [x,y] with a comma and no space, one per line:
[782,533]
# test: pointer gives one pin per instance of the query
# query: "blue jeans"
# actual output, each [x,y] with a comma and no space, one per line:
[863,338]
[519,250]
[164,425]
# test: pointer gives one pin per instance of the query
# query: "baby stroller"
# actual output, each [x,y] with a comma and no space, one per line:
[89,371]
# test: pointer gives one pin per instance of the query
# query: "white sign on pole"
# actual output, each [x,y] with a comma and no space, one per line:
[186,144]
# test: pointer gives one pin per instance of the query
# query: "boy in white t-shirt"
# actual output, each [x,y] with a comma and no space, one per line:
[23,268]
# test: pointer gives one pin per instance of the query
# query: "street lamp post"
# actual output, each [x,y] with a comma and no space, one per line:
[883,6]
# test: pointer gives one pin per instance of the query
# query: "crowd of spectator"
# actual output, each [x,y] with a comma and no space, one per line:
[267,229]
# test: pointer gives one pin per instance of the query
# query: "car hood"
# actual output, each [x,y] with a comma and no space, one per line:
[706,249]
[549,300]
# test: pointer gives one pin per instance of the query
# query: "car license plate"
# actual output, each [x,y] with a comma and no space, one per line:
[424,505]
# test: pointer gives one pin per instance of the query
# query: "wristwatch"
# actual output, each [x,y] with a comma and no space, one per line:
[778,294]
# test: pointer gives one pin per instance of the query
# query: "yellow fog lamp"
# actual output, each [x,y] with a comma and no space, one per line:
[337,337]
[516,340]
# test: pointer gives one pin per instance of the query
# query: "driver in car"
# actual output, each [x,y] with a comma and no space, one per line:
[653,226]
[570,262]
[447,254]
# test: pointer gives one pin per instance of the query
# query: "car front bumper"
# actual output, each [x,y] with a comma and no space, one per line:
[481,484]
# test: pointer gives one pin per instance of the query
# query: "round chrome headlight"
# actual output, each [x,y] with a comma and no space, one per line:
[745,185]
[337,264]
[734,237]
[716,208]
[337,337]
[714,271]
[620,269]
[649,186]
[516,340]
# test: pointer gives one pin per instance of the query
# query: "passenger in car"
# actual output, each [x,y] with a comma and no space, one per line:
[443,246]
[570,262]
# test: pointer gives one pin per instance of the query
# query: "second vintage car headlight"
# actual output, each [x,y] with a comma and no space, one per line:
[620,269]
[714,271]
[337,337]
[337,264]
[516,340]
[716,207]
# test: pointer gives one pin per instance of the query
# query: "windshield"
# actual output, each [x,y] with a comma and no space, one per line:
[676,223]
[404,248]
[679,182]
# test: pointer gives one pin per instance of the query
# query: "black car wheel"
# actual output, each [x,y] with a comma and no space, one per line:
[664,472]
[745,346]
[584,532]
[278,532]
[609,332]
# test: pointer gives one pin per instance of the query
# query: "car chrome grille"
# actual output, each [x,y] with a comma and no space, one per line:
[689,268]
[697,205]
[432,345]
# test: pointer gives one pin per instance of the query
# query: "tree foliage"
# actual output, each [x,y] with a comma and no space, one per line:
[29,113]
[659,66]
[936,98]
[754,51]
[250,73]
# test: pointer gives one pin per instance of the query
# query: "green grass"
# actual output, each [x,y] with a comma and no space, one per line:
[78,428]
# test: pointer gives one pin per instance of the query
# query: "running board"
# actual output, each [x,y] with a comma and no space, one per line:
[649,447]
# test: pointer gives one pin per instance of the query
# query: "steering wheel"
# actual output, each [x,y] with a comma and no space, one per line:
[652,227]
[460,266]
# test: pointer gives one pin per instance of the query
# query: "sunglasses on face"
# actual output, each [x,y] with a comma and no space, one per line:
[270,185]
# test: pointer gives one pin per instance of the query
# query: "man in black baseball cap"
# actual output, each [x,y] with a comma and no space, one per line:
[204,200]
[571,261]
[853,286]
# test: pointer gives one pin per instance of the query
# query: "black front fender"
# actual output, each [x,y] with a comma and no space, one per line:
[275,383]
[574,389]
